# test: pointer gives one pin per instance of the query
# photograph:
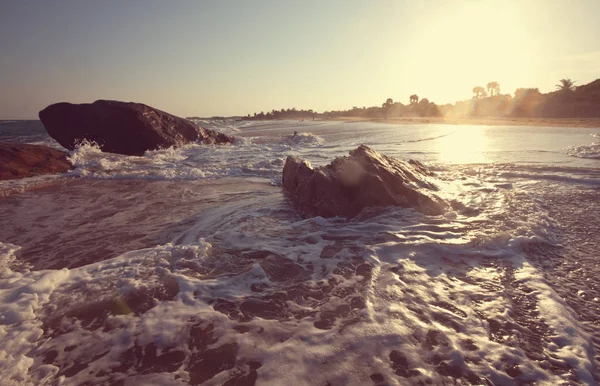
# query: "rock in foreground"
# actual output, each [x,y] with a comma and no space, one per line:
[364,179]
[122,127]
[18,160]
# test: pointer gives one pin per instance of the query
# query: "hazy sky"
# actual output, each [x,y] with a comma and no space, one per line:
[234,57]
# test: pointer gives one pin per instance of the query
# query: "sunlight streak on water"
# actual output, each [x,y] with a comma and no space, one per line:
[467,145]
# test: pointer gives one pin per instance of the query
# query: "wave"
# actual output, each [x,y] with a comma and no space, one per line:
[392,293]
[586,151]
[255,291]
[554,177]
[18,186]
[299,139]
[429,138]
[189,162]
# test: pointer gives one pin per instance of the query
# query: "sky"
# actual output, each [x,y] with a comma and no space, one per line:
[234,57]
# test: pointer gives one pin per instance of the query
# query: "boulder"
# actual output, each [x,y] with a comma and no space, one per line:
[364,179]
[19,160]
[122,127]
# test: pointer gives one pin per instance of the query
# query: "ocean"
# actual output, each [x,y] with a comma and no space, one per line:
[190,266]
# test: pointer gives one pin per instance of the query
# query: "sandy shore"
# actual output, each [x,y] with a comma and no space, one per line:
[491,121]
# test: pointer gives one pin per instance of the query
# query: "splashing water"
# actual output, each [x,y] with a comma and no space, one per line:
[188,266]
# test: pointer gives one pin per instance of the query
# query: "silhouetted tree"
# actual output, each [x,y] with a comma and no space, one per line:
[478,92]
[388,103]
[493,88]
[566,85]
[414,98]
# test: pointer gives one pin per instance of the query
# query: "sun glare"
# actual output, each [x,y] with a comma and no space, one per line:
[468,144]
[470,45]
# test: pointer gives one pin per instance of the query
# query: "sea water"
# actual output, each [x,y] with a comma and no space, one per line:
[189,265]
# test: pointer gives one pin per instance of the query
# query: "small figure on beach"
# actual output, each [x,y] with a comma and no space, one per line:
[295,134]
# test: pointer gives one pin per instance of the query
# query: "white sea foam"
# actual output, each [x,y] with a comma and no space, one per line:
[11,187]
[297,140]
[22,295]
[585,151]
[428,294]
[247,157]
[392,294]
[410,295]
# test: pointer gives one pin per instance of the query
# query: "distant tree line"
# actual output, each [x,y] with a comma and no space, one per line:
[292,113]
[568,101]
[390,109]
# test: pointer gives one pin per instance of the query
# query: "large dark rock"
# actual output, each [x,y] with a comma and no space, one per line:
[122,127]
[364,179]
[18,160]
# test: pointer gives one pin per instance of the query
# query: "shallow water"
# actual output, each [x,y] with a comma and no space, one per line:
[189,265]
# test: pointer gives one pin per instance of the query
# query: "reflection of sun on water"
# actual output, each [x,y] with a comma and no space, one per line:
[465,145]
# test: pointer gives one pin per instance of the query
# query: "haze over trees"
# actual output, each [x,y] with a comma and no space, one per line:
[493,88]
[387,105]
[478,92]
[568,101]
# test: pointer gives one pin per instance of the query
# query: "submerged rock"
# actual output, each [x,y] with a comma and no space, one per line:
[364,179]
[122,127]
[19,160]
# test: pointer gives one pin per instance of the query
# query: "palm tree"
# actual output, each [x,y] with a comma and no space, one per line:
[479,92]
[566,85]
[493,88]
[414,98]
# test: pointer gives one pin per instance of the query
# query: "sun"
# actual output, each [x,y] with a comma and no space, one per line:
[471,44]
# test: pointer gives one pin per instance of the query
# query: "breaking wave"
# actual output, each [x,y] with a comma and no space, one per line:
[250,290]
[189,162]
[292,140]
[164,272]
[586,151]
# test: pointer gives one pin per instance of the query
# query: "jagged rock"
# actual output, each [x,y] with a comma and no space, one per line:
[364,179]
[122,127]
[19,160]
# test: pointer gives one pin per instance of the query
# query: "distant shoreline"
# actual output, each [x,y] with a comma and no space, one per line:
[474,121]
[480,121]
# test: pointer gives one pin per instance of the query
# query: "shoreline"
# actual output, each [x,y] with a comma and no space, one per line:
[480,121]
